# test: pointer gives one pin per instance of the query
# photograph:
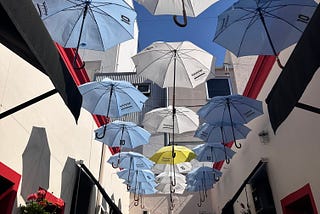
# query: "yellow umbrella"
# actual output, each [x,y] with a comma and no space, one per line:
[164,155]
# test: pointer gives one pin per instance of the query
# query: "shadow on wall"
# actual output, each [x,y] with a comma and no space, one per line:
[35,163]
[68,179]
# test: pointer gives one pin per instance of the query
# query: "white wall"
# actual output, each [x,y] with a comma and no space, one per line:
[292,153]
[20,82]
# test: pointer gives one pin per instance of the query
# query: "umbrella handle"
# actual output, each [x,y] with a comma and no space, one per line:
[199,204]
[74,64]
[134,197]
[116,166]
[227,160]
[238,146]
[128,187]
[171,206]
[216,178]
[103,134]
[136,203]
[175,19]
[279,63]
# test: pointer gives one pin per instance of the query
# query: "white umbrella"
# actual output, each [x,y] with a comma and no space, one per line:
[174,64]
[183,167]
[160,120]
[186,8]
[166,177]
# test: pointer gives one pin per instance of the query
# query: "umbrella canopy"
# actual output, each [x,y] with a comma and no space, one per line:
[232,109]
[183,167]
[186,8]
[143,188]
[130,161]
[221,132]
[251,27]
[174,64]
[213,152]
[164,155]
[205,173]
[160,120]
[167,188]
[166,177]
[90,24]
[123,134]
[111,98]
[143,175]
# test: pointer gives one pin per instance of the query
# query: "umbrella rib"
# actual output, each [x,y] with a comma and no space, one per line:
[167,53]
[96,23]
[251,22]
[249,15]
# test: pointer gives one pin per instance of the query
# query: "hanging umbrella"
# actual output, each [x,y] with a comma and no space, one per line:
[130,161]
[160,120]
[213,152]
[165,180]
[166,155]
[221,132]
[233,109]
[199,173]
[174,64]
[163,155]
[89,24]
[142,188]
[111,98]
[165,177]
[142,175]
[123,134]
[251,27]
[167,188]
[200,179]
[183,167]
[185,8]
[131,176]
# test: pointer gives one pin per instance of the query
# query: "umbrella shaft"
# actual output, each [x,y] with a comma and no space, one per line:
[267,32]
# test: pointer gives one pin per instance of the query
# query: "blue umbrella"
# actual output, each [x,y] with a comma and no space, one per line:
[90,24]
[200,179]
[251,27]
[130,161]
[213,152]
[142,188]
[221,132]
[123,134]
[111,98]
[209,173]
[130,176]
[233,109]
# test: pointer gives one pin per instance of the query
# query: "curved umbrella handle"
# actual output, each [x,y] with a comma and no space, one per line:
[199,204]
[136,203]
[175,19]
[227,160]
[116,166]
[279,63]
[103,134]
[238,146]
[216,178]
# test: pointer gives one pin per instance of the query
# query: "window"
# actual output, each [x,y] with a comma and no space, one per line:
[300,201]
[261,192]
[145,88]
[218,87]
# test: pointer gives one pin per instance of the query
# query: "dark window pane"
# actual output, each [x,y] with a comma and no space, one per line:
[218,87]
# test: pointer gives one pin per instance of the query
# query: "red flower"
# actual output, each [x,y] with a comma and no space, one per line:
[32,197]
[41,194]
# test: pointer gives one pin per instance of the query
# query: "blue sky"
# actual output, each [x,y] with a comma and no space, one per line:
[200,30]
